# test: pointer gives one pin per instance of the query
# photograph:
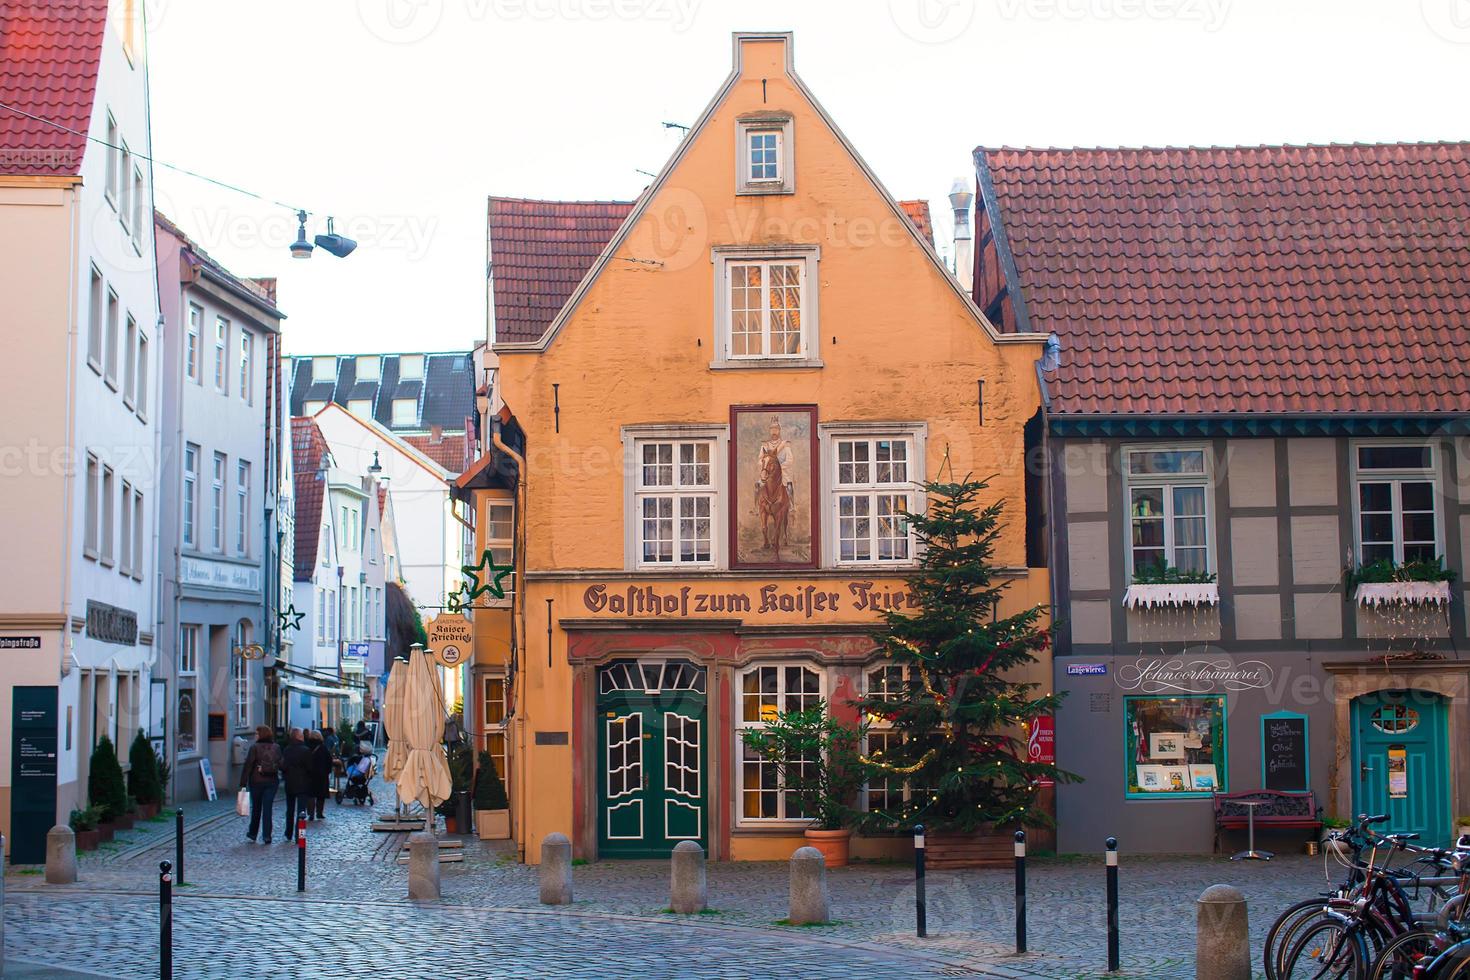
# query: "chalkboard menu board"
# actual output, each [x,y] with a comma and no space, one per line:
[1284,751]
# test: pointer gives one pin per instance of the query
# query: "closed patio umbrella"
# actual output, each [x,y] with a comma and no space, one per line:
[393,721]
[425,773]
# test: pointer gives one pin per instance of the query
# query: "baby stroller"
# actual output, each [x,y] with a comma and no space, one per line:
[360,769]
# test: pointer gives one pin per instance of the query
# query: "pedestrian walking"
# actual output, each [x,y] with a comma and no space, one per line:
[260,776]
[321,772]
[297,768]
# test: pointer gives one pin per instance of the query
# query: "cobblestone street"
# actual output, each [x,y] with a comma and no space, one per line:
[239,913]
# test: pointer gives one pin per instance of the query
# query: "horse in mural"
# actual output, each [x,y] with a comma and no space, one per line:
[772,503]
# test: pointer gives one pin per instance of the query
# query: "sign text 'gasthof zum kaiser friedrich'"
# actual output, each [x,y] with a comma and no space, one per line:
[686,600]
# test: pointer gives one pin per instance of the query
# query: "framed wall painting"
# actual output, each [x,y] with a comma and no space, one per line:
[773,486]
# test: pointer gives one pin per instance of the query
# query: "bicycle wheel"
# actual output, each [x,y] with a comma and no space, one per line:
[1327,949]
[1395,961]
[1453,964]
[1279,937]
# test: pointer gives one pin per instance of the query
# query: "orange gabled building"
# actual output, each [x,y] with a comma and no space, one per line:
[717,402]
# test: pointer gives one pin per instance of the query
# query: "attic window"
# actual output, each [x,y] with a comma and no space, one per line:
[405,411]
[323,369]
[368,367]
[410,367]
[765,156]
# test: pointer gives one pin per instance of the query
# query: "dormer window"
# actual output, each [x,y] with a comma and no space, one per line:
[765,155]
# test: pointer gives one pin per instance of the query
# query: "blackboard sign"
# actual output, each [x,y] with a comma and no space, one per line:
[1284,751]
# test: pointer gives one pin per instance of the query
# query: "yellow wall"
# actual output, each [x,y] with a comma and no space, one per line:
[897,343]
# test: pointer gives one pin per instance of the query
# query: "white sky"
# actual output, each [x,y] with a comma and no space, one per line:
[400,116]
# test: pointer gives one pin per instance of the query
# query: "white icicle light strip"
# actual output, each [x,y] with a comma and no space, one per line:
[1403,593]
[1157,594]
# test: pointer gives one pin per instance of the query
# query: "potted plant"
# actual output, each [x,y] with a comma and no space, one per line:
[492,809]
[84,826]
[456,809]
[105,789]
[1330,826]
[143,779]
[818,759]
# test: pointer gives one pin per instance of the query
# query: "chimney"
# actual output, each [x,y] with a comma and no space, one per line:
[960,198]
[436,434]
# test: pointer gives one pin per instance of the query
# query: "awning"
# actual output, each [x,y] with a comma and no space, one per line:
[318,690]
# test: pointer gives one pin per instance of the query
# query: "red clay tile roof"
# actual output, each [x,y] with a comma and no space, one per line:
[1297,279]
[308,446]
[539,251]
[49,54]
[918,212]
[450,452]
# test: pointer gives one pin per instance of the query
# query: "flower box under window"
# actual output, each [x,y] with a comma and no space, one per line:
[1157,595]
[1375,594]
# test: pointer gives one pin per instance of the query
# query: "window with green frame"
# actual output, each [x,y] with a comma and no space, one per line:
[1175,746]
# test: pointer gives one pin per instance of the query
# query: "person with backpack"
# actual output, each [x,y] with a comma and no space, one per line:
[299,781]
[260,776]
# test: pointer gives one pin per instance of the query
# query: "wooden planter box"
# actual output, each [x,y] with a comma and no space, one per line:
[104,832]
[87,840]
[124,822]
[978,850]
[147,811]
[493,824]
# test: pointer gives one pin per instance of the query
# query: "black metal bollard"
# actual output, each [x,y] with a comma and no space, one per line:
[179,845]
[301,852]
[921,910]
[1020,891]
[1111,856]
[165,922]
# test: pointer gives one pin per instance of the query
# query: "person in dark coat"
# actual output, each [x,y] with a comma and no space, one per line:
[321,772]
[260,776]
[299,781]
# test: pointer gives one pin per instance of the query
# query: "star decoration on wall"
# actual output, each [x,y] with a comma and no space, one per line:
[492,572]
[290,619]
[459,598]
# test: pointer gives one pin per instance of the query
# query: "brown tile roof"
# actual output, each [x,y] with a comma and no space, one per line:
[1288,279]
[539,251]
[308,446]
[450,451]
[918,212]
[49,54]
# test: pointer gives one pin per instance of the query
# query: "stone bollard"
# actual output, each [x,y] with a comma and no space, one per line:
[1222,949]
[688,893]
[808,887]
[61,855]
[556,870]
[423,866]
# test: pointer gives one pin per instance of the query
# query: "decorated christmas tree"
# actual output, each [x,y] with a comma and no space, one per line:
[951,695]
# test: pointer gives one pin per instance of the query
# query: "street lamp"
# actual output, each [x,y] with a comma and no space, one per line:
[376,469]
[338,245]
[301,248]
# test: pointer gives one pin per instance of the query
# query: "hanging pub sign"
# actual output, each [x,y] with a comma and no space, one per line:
[1284,751]
[1041,745]
[450,639]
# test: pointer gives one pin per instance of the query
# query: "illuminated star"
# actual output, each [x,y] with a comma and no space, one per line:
[493,572]
[290,619]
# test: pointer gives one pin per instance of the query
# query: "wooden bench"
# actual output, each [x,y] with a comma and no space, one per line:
[1279,810]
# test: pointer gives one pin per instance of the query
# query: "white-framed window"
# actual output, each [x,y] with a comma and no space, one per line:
[323,369]
[410,367]
[492,720]
[767,306]
[326,548]
[125,527]
[766,691]
[114,324]
[138,532]
[109,516]
[217,504]
[361,407]
[221,355]
[764,156]
[139,197]
[312,407]
[369,367]
[191,342]
[1169,498]
[405,411]
[242,508]
[500,540]
[130,361]
[125,188]
[321,617]
[333,629]
[372,545]
[191,493]
[91,508]
[873,488]
[187,726]
[114,154]
[240,678]
[889,791]
[674,501]
[140,398]
[1396,502]
[247,365]
[96,312]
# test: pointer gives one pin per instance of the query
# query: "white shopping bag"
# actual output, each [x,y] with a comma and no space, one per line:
[242,803]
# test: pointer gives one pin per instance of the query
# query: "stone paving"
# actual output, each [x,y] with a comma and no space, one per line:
[239,914]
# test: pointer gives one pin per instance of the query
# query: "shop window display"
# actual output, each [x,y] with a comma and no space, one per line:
[1176,746]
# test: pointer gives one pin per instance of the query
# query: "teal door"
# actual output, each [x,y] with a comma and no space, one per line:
[1401,763]
[652,758]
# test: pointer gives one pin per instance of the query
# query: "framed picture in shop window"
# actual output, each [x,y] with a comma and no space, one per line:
[1174,747]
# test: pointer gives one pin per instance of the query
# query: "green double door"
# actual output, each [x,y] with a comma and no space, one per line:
[1401,762]
[653,761]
